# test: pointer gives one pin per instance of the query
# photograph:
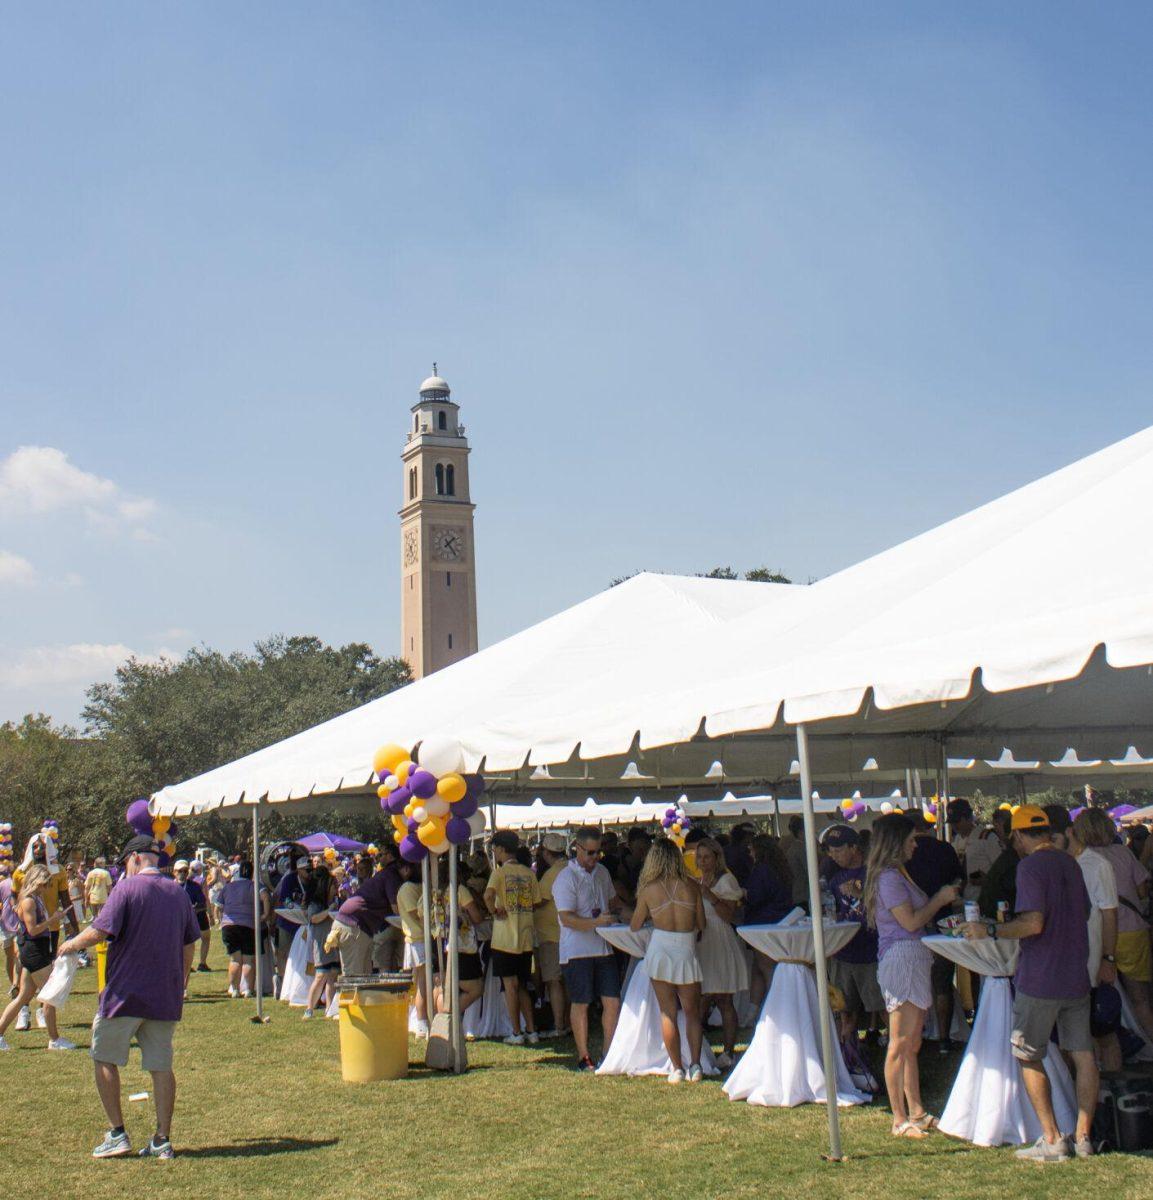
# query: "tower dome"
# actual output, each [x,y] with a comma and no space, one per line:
[434,386]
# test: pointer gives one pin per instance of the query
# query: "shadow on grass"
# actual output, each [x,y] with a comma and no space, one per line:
[259,1147]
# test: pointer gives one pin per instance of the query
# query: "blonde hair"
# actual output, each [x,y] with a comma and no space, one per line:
[663,862]
[718,853]
[35,877]
[886,853]
[1094,829]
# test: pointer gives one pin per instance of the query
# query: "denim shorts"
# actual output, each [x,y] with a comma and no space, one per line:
[587,978]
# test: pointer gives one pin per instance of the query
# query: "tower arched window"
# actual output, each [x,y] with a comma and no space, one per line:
[450,480]
[440,479]
[412,483]
[442,420]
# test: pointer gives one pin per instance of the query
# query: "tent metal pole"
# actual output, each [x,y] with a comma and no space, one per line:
[943,795]
[426,903]
[452,983]
[776,815]
[258,957]
[908,789]
[820,964]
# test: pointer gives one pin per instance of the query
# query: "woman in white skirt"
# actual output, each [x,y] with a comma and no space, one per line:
[898,910]
[672,901]
[724,968]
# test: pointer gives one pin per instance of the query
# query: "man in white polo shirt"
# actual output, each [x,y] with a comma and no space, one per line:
[585,900]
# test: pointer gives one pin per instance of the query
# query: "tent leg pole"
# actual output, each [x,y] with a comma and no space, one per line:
[258,957]
[943,795]
[426,902]
[820,964]
[453,981]
[776,815]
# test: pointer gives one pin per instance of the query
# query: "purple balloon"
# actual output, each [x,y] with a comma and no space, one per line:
[385,803]
[413,826]
[383,775]
[138,816]
[465,806]
[475,785]
[413,851]
[458,831]
[396,804]
[405,794]
[422,784]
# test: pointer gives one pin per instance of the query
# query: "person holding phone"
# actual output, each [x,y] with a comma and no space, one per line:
[899,911]
[34,946]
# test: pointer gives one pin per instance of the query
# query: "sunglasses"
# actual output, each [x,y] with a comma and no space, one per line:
[591,853]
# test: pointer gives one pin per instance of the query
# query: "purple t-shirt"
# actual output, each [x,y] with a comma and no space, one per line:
[148,921]
[369,908]
[1053,965]
[863,947]
[9,921]
[894,889]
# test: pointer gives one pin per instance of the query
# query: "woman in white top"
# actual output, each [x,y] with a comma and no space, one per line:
[667,896]
[724,969]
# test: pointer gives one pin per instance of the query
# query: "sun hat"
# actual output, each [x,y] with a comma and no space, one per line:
[1029,816]
[181,864]
[554,843]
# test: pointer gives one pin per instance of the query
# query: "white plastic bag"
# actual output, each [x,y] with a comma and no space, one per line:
[59,986]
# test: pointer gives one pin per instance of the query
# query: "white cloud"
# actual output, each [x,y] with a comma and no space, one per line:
[41,479]
[15,571]
[59,666]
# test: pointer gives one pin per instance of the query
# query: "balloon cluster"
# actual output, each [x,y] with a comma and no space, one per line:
[5,842]
[371,850]
[887,807]
[433,804]
[329,855]
[930,811]
[676,823]
[163,829]
[852,808]
[51,829]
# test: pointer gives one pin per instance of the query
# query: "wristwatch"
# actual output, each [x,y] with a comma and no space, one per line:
[991,930]
[1109,958]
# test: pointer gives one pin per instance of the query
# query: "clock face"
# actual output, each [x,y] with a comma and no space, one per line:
[448,544]
[410,547]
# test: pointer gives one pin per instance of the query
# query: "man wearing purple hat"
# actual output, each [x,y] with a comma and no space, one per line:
[151,931]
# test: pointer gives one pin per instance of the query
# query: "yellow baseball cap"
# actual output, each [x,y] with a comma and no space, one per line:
[1029,816]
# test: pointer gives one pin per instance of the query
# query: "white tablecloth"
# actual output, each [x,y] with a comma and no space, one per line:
[296,982]
[488,1018]
[637,1047]
[988,1105]
[783,1065]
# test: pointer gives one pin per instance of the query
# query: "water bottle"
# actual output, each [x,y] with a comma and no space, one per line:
[828,904]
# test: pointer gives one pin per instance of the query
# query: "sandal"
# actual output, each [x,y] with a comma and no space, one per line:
[907,1129]
[926,1122]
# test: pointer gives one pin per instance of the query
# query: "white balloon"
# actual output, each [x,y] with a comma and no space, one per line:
[476,823]
[420,814]
[391,783]
[441,756]
[436,807]
[440,847]
[886,807]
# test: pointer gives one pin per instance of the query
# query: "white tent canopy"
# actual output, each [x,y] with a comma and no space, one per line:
[1025,625]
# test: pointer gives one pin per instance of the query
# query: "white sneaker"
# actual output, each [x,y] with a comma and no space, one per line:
[308,1014]
[41,1022]
[4,1043]
[61,1044]
[532,1038]
[547,1035]
[676,1076]
[24,1020]
[232,993]
[244,995]
[514,1039]
[695,1074]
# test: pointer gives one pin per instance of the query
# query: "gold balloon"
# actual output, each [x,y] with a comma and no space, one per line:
[451,788]
[388,758]
[431,833]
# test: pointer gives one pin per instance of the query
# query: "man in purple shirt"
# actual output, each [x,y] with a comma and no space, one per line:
[358,920]
[1052,980]
[388,943]
[854,969]
[151,929]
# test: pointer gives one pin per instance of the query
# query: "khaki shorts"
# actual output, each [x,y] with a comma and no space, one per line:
[354,947]
[112,1037]
[548,961]
[858,984]
[1033,1021]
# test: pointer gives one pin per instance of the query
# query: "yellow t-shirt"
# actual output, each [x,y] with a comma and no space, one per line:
[547,921]
[98,883]
[517,892]
[409,904]
[466,934]
[54,895]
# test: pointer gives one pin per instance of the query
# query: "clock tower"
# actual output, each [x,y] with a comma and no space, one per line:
[438,567]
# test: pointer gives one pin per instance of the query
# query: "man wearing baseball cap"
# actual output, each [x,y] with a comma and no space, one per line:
[854,969]
[552,849]
[1052,980]
[151,930]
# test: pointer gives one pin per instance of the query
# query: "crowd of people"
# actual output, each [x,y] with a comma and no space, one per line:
[1072,890]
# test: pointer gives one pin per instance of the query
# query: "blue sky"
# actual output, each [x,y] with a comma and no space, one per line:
[732,283]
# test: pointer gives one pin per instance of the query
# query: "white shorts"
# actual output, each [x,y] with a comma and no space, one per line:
[413,955]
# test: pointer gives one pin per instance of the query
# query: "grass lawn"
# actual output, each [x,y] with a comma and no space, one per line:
[262,1111]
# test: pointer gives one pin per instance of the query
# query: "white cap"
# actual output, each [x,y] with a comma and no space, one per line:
[181,864]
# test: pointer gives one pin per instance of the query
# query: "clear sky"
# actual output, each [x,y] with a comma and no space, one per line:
[728,283]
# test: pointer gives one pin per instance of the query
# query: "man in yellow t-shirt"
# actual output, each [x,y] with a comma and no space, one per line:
[97,885]
[511,896]
[410,908]
[553,851]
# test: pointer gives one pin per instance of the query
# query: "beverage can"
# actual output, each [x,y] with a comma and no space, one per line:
[1002,911]
[972,910]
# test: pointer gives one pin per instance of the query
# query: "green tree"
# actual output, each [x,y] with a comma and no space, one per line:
[160,723]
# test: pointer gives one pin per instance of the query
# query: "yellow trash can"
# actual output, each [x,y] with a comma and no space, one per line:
[101,965]
[374,1026]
